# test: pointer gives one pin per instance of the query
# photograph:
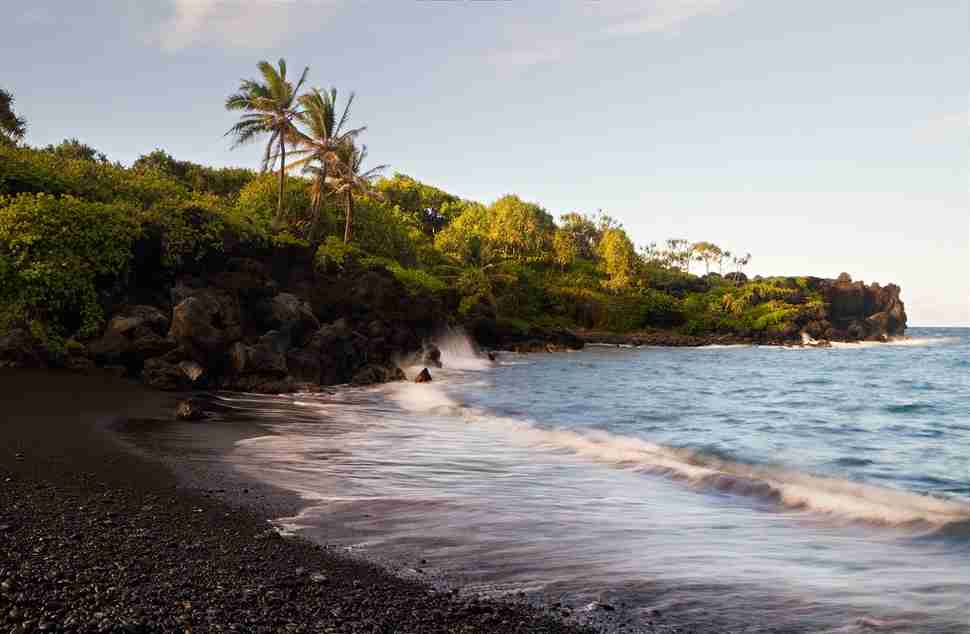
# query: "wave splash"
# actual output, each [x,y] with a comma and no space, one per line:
[838,498]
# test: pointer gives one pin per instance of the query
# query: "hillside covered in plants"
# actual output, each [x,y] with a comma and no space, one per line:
[318,269]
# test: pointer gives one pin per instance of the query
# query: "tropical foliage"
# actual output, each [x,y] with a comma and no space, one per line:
[71,220]
[13,128]
[269,107]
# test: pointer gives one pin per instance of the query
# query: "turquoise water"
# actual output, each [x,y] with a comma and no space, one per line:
[754,489]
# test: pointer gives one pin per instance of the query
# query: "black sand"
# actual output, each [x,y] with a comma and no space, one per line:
[94,537]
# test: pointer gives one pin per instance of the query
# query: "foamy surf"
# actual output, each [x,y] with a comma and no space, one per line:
[895,341]
[500,476]
[837,498]
[790,489]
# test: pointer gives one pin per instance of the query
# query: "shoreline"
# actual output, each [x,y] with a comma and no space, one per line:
[94,535]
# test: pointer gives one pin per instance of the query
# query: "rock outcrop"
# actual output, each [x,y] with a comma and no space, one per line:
[18,349]
[133,335]
[857,311]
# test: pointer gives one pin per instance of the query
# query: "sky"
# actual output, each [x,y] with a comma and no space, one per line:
[821,137]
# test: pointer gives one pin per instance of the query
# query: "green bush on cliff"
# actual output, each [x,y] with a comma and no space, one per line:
[417,281]
[334,254]
[196,226]
[57,252]
[23,170]
[223,181]
[256,204]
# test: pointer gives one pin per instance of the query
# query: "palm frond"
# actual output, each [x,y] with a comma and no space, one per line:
[346,114]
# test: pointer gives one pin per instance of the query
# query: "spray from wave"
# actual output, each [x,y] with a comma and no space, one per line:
[458,353]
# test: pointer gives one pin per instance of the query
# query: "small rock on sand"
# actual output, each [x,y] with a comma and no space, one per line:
[189,409]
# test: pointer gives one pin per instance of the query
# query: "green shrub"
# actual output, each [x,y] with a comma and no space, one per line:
[222,181]
[257,202]
[334,254]
[24,170]
[57,252]
[287,239]
[417,281]
[195,227]
[385,231]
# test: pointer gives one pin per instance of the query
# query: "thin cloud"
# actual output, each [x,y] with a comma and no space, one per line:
[662,16]
[947,127]
[238,24]
[604,21]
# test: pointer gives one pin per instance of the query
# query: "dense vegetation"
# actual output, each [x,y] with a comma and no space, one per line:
[70,221]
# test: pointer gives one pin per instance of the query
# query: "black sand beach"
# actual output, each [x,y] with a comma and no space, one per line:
[94,537]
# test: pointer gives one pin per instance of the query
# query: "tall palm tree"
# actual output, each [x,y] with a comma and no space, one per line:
[12,127]
[317,148]
[350,179]
[270,106]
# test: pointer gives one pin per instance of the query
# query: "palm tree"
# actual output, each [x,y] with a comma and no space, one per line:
[12,127]
[270,107]
[319,146]
[350,179]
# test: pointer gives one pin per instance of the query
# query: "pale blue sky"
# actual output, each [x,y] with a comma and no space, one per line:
[820,136]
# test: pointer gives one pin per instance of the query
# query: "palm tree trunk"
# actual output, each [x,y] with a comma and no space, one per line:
[316,202]
[350,213]
[279,204]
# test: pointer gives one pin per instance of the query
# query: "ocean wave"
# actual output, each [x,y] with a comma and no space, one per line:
[706,471]
[790,489]
[909,408]
[957,532]
[895,341]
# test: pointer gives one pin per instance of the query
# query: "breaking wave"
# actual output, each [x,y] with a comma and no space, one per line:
[838,498]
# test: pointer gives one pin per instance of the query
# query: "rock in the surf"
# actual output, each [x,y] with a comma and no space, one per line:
[189,410]
[423,377]
[432,355]
[373,373]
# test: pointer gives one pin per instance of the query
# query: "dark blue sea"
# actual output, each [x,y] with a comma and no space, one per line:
[731,489]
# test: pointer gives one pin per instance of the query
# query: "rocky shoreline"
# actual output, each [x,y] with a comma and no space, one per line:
[95,538]
[281,322]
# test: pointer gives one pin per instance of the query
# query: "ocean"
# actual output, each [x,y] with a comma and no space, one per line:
[738,488]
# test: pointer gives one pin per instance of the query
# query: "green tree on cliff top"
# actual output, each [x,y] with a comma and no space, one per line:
[318,147]
[351,178]
[269,107]
[12,127]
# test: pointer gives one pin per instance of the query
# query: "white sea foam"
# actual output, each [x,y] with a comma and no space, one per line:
[423,398]
[895,341]
[790,489]
[831,496]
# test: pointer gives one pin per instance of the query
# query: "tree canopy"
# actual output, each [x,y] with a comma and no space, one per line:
[13,128]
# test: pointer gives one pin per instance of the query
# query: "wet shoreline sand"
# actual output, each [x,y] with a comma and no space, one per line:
[97,536]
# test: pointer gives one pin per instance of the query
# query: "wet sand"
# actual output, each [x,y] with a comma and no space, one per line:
[99,535]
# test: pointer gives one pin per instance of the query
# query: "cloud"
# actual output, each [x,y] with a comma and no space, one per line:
[952,126]
[603,21]
[662,16]
[239,24]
